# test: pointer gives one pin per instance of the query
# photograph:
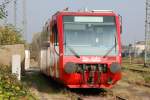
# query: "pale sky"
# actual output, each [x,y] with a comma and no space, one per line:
[38,11]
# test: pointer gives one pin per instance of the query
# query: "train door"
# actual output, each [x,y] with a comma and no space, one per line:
[54,52]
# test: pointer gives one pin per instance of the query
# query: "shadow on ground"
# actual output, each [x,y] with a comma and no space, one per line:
[45,84]
[41,82]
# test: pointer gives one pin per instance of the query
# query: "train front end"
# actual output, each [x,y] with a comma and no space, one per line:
[90,49]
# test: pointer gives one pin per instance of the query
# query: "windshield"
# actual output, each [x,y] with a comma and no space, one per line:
[90,35]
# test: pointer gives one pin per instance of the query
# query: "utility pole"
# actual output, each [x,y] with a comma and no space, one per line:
[24,20]
[15,12]
[147,35]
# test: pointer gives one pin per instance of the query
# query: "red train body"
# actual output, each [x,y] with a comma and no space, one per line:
[82,49]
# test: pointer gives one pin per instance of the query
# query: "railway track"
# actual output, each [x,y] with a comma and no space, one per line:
[143,84]
[104,95]
[78,94]
[113,98]
[139,71]
[120,98]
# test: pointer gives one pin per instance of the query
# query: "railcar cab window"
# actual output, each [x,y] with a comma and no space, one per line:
[90,35]
[55,32]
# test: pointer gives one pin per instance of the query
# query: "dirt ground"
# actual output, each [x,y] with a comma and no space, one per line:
[131,91]
[44,88]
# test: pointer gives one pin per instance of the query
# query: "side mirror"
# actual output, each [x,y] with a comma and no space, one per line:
[120,18]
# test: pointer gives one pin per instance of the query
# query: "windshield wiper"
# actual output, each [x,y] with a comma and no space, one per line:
[73,51]
[109,50]
[114,46]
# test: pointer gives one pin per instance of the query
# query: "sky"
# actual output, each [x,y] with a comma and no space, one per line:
[39,11]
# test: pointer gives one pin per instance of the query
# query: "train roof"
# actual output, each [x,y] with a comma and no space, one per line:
[93,12]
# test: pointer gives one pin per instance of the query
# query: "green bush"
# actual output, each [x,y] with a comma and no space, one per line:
[10,87]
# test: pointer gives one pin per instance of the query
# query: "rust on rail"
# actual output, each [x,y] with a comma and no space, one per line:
[120,98]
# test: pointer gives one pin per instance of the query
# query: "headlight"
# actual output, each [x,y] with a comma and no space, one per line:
[70,67]
[115,67]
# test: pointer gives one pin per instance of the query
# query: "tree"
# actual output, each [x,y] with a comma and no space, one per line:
[10,35]
[3,12]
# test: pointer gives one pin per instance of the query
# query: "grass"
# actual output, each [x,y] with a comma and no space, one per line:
[138,64]
[41,82]
[147,78]
[40,85]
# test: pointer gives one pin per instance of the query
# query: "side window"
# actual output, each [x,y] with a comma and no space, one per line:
[55,31]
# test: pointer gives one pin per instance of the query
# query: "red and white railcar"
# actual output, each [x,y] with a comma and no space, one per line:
[82,49]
